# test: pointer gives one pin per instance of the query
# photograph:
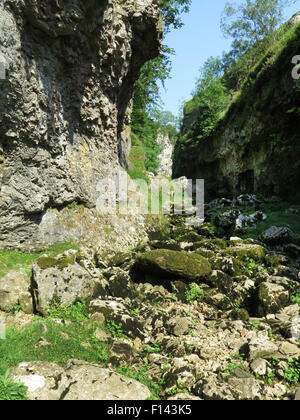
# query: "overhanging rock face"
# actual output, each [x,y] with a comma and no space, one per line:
[65,102]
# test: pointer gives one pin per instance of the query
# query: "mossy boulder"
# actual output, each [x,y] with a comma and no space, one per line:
[168,263]
[239,314]
[242,251]
[206,253]
[274,260]
[271,298]
[212,244]
[61,281]
[190,237]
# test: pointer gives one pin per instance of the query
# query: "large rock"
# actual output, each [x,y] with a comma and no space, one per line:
[116,311]
[65,109]
[276,235]
[42,379]
[14,289]
[77,381]
[261,348]
[61,280]
[91,382]
[247,388]
[271,298]
[163,262]
[241,251]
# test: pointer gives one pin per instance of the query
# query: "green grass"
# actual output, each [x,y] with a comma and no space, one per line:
[137,159]
[292,372]
[14,260]
[11,391]
[63,342]
[277,215]
[77,313]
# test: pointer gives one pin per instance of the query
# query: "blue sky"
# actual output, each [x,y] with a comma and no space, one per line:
[199,39]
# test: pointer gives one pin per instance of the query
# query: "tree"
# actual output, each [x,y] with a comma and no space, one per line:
[212,69]
[211,98]
[251,22]
[172,10]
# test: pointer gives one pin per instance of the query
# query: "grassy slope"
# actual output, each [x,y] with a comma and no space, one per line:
[137,159]
[263,77]
[278,214]
[14,260]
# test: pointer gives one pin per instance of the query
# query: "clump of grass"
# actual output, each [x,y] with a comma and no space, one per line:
[11,391]
[77,313]
[292,372]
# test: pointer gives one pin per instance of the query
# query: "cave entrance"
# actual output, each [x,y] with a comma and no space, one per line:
[246,182]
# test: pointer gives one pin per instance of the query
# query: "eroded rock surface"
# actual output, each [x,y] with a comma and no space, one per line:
[65,108]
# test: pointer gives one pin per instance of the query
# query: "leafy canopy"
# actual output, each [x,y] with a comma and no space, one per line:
[251,21]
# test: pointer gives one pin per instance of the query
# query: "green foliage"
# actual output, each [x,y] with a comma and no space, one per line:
[210,99]
[249,267]
[137,159]
[141,376]
[171,10]
[251,21]
[296,299]
[154,348]
[11,391]
[115,329]
[292,372]
[194,293]
[76,313]
[146,117]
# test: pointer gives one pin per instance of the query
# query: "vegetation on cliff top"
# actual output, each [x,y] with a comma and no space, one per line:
[233,80]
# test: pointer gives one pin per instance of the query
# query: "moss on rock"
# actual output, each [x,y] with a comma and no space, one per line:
[239,314]
[49,262]
[190,266]
[212,244]
[256,252]
[46,262]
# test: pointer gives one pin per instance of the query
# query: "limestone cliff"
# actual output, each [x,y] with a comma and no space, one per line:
[65,105]
[255,146]
[165,157]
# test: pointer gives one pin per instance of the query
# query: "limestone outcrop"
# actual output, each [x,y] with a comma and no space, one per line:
[65,106]
[255,146]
